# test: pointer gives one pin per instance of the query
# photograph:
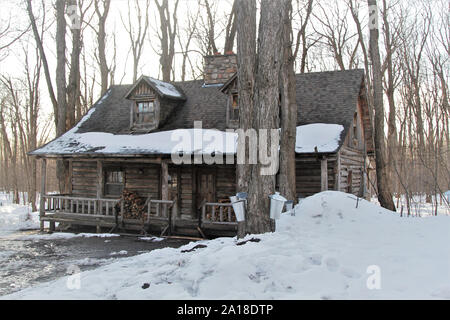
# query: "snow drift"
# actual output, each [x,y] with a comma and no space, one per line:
[323,252]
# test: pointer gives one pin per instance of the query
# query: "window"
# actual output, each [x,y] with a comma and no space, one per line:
[114,182]
[234,109]
[350,182]
[355,126]
[145,112]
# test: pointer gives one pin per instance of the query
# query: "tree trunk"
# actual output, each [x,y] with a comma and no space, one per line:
[384,194]
[61,83]
[288,113]
[246,57]
[266,104]
[101,41]
[73,89]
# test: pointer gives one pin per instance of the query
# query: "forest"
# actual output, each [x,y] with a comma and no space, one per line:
[58,57]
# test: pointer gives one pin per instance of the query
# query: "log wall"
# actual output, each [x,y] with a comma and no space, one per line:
[308,174]
[84,179]
[351,160]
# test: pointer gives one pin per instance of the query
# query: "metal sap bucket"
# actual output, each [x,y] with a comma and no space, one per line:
[276,205]
[238,207]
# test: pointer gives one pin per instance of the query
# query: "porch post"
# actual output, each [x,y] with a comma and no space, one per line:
[69,185]
[100,179]
[337,179]
[324,174]
[165,184]
[42,199]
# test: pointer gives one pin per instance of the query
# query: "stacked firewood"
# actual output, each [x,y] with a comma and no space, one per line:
[216,217]
[133,205]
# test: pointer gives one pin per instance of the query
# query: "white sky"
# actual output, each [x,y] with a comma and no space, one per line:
[149,64]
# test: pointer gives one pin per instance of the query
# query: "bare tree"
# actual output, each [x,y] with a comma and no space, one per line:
[339,39]
[246,57]
[73,88]
[168,26]
[384,194]
[231,28]
[38,36]
[102,15]
[185,41]
[215,27]
[61,85]
[266,110]
[288,114]
[301,39]
[137,34]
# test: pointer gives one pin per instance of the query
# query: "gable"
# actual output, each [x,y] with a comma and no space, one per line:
[150,86]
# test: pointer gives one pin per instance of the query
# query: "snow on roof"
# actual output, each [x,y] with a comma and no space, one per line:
[165,88]
[189,141]
[324,136]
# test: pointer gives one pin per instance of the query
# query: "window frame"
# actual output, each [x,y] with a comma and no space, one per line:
[138,114]
[119,184]
[233,111]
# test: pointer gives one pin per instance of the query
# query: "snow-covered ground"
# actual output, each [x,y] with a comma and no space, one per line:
[419,206]
[16,217]
[329,250]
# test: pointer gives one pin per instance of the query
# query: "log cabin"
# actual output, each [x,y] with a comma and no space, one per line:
[128,137]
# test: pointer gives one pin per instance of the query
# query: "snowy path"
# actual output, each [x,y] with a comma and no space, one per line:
[329,250]
[28,258]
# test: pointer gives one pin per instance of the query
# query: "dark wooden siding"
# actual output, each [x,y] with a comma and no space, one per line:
[308,174]
[186,204]
[226,181]
[143,179]
[84,179]
[351,160]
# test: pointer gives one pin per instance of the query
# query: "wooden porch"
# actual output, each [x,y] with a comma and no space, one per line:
[165,213]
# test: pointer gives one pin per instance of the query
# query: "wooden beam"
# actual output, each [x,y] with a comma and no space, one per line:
[337,180]
[324,174]
[164,181]
[100,179]
[70,174]
[42,200]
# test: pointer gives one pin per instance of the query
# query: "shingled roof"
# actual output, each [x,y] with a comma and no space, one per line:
[322,97]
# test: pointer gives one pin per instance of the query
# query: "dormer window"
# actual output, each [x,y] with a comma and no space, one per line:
[153,102]
[145,112]
[234,110]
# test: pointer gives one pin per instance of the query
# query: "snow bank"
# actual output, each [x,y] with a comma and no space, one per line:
[17,217]
[66,235]
[323,252]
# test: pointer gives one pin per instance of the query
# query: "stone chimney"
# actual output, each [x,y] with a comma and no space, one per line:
[219,68]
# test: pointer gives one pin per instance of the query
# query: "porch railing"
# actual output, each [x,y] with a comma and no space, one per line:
[67,204]
[215,212]
[162,208]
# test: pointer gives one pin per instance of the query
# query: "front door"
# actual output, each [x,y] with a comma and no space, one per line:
[206,190]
